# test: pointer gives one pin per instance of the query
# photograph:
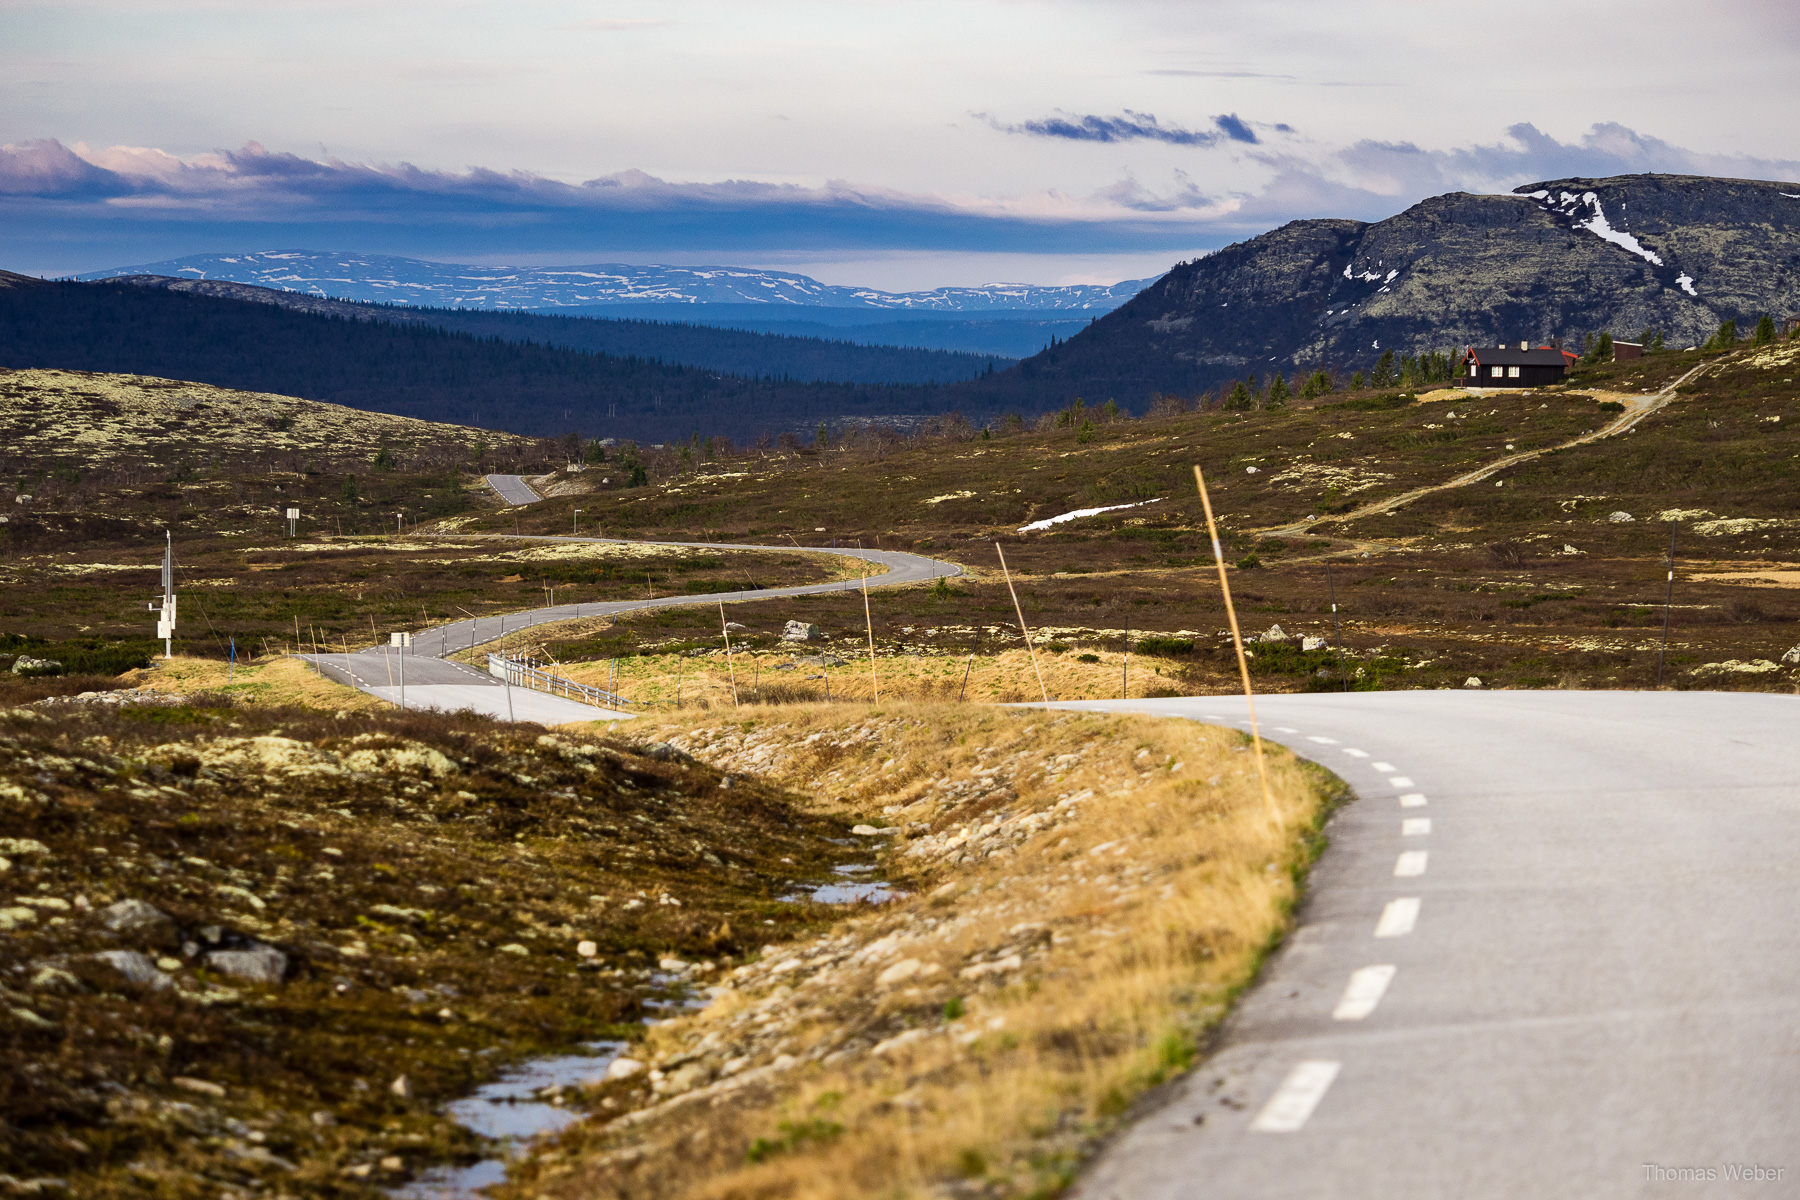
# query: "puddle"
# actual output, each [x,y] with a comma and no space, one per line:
[873,891]
[508,1109]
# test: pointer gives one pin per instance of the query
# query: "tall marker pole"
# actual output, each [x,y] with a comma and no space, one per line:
[1237,640]
[1336,630]
[1042,690]
[1668,603]
[729,666]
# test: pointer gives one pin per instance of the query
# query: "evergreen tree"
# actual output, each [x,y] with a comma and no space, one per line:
[1278,392]
[1725,338]
[1356,381]
[1603,350]
[822,439]
[1384,370]
[1765,330]
[1317,384]
[1240,399]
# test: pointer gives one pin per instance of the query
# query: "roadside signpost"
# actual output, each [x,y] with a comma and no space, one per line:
[293,520]
[165,607]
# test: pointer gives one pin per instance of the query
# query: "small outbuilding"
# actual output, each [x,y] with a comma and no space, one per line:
[1519,366]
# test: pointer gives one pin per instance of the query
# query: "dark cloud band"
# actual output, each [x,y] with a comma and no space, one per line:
[1135,127]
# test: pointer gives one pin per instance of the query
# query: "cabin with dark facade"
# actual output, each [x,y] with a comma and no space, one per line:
[1519,366]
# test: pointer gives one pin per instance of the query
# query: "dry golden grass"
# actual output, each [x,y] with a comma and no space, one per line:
[1128,862]
[667,682]
[265,682]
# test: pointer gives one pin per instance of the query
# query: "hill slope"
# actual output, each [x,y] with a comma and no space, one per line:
[1563,258]
[731,351]
[418,371]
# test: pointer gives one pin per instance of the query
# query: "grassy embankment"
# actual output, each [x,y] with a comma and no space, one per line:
[1087,895]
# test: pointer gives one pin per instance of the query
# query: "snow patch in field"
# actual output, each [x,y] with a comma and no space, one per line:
[1687,283]
[1047,522]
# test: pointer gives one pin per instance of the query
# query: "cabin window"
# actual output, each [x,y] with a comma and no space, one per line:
[1474,370]
[1498,372]
[1512,372]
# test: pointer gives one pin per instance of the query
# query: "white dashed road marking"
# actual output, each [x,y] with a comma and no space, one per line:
[1356,753]
[1401,781]
[1410,862]
[1415,827]
[1384,768]
[1323,741]
[1363,993]
[1413,800]
[1398,918]
[1294,1101]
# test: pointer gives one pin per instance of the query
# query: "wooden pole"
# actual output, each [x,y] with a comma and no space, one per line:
[965,682]
[1237,640]
[1337,630]
[1125,668]
[1668,605]
[728,664]
[1017,608]
[874,680]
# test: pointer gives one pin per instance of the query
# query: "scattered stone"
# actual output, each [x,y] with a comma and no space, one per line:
[13,918]
[1472,682]
[259,964]
[129,916]
[393,1162]
[49,978]
[734,627]
[871,831]
[801,631]
[663,752]
[672,964]
[999,966]
[245,894]
[623,1068]
[1619,518]
[820,660]
[514,948]
[22,847]
[1314,643]
[27,665]
[586,949]
[905,969]
[1792,656]
[401,1087]
[135,966]
[1276,634]
[202,1086]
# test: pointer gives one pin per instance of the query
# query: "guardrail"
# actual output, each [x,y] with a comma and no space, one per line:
[526,673]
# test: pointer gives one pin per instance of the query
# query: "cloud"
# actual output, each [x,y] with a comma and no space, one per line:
[70,207]
[1132,127]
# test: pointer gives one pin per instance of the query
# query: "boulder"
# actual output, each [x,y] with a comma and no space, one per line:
[136,967]
[1472,682]
[1314,643]
[663,752]
[1276,634]
[258,964]
[129,916]
[801,631]
[1792,656]
[1619,518]
[624,1068]
[27,665]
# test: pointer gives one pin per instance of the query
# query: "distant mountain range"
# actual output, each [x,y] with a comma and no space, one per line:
[1563,258]
[384,279]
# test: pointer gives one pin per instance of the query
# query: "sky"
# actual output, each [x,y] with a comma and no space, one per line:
[889,143]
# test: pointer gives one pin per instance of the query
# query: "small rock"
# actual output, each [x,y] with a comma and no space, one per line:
[401,1087]
[13,918]
[198,1085]
[871,831]
[514,948]
[734,627]
[1472,682]
[393,1162]
[690,1077]
[586,949]
[323,1119]
[169,964]
[48,978]
[801,631]
[1619,518]
[135,967]
[906,968]
[663,752]
[1792,656]
[1314,643]
[128,916]
[624,1068]
[259,964]
[22,847]
[999,966]
[672,964]
[27,665]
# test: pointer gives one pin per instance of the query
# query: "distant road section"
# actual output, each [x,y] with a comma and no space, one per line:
[513,489]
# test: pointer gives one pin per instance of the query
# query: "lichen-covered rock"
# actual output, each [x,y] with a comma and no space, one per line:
[259,964]
[129,916]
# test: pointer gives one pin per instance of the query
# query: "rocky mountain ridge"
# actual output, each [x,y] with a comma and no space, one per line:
[1560,258]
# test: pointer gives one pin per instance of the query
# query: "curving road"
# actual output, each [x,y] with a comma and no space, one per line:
[1550,953]
[513,489]
[370,670]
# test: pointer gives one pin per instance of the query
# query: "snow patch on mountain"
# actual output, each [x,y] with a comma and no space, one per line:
[1570,205]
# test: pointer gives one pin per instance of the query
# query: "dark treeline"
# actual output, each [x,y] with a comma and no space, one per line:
[730,351]
[421,371]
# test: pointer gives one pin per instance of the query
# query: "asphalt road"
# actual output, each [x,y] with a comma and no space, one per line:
[513,489]
[1583,971]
